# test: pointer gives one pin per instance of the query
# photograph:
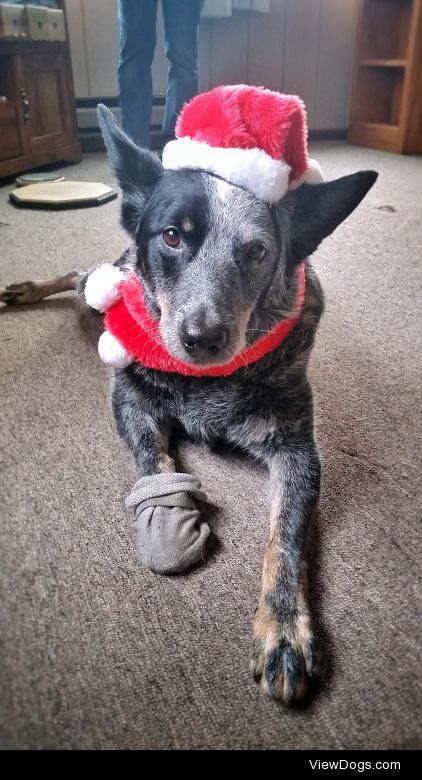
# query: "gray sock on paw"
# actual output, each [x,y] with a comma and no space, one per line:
[170,537]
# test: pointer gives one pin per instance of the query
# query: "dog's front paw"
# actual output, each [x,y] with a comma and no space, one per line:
[284,657]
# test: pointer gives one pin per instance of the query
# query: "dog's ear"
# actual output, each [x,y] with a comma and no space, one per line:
[313,211]
[137,170]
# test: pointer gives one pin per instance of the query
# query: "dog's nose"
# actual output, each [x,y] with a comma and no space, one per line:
[203,340]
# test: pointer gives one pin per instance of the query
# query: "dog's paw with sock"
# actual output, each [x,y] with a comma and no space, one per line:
[170,536]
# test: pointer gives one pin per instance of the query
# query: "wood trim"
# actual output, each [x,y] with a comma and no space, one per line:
[411,137]
[374,135]
[356,61]
[18,83]
[69,153]
[31,47]
[383,63]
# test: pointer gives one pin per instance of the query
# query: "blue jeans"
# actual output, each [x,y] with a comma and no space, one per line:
[137,19]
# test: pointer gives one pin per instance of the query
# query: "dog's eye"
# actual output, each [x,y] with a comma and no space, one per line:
[171,237]
[256,252]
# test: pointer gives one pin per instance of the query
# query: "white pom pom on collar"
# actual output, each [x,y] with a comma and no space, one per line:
[102,287]
[112,353]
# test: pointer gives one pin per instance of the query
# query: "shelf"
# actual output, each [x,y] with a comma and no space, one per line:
[376,135]
[377,126]
[383,63]
[386,30]
[378,100]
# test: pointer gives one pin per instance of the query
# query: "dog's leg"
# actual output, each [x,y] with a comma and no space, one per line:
[32,292]
[284,657]
[152,448]
[148,441]
[170,534]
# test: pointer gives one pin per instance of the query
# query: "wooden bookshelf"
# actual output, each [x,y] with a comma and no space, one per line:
[386,104]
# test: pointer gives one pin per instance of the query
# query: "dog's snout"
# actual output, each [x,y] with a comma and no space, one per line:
[201,338]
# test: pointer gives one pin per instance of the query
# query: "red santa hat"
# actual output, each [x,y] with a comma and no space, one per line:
[250,136]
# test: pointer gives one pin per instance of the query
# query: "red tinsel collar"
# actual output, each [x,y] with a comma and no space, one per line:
[138,332]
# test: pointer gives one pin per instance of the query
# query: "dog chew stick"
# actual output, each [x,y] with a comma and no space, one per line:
[170,536]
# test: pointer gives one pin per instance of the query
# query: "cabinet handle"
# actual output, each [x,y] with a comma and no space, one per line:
[25,105]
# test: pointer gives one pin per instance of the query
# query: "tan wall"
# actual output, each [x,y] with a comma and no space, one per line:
[303,47]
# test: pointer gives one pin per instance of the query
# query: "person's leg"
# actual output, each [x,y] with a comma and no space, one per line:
[181,24]
[137,19]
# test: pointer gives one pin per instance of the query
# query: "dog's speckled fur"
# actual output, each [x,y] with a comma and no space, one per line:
[266,408]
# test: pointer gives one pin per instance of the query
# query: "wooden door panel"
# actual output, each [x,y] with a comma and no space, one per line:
[45,117]
[12,134]
[10,145]
[45,84]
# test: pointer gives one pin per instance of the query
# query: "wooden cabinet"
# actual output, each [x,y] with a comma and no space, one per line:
[386,108]
[37,106]
[12,141]
[48,101]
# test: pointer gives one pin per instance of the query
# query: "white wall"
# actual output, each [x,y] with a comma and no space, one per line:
[302,46]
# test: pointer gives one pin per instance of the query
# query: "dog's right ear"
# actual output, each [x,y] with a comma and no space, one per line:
[137,170]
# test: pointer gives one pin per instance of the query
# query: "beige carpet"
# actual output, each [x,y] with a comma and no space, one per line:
[98,653]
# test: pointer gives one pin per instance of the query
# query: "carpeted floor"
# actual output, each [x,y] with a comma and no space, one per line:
[98,653]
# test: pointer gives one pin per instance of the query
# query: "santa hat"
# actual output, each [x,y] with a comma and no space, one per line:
[250,136]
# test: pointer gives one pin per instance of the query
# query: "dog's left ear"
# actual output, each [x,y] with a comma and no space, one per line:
[137,170]
[313,211]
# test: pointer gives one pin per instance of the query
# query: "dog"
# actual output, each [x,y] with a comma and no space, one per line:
[218,269]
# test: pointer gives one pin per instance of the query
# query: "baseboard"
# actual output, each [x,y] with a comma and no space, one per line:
[90,135]
[328,135]
[95,143]
[89,131]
